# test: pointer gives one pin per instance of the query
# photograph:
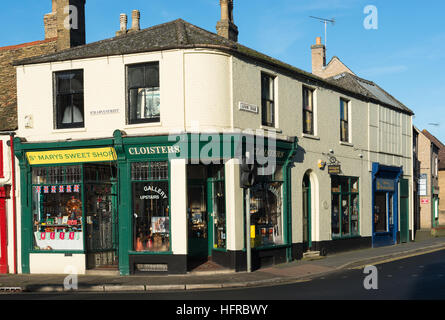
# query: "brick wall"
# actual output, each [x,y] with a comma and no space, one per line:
[8,86]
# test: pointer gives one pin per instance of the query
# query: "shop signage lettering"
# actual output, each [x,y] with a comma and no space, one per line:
[334,169]
[159,191]
[71,156]
[136,151]
[384,185]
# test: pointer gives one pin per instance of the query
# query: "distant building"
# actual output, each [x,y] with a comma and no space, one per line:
[428,181]
[440,186]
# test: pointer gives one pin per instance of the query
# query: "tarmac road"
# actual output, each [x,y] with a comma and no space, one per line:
[415,278]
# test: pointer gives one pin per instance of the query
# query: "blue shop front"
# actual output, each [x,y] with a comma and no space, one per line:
[385,204]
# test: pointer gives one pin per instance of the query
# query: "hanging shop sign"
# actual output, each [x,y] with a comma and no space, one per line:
[71,156]
[384,185]
[334,169]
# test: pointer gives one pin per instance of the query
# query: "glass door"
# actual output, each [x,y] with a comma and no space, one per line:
[380,210]
[197,220]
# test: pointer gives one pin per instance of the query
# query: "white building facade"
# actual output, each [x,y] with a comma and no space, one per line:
[128,157]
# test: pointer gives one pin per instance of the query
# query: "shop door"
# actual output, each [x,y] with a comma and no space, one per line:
[101,225]
[307,241]
[384,233]
[3,238]
[198,238]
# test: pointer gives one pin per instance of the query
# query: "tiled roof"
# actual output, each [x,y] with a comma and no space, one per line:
[368,89]
[179,34]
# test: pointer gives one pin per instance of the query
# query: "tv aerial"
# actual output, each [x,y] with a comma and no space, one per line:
[325,21]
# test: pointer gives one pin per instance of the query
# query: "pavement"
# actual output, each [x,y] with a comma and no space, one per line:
[301,270]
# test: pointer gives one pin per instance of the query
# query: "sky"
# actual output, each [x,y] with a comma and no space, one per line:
[404,53]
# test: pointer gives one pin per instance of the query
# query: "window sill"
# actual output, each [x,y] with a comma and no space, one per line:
[272,129]
[143,125]
[310,136]
[347,144]
[69,130]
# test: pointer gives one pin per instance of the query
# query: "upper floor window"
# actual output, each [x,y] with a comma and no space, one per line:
[308,111]
[344,120]
[267,100]
[143,93]
[69,99]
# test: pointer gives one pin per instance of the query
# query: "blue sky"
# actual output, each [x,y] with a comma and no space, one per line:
[405,55]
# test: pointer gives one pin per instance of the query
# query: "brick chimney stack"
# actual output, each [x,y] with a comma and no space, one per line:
[135,20]
[135,23]
[318,57]
[123,25]
[66,22]
[226,26]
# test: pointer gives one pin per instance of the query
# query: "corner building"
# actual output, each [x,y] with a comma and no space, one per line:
[130,160]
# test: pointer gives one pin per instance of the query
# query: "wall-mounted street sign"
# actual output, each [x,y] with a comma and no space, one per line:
[334,169]
[248,107]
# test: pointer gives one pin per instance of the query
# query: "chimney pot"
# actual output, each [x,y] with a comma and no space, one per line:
[318,40]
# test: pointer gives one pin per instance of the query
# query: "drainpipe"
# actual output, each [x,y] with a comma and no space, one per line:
[14,208]
[287,198]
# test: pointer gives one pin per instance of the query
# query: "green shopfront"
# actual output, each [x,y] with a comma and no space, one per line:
[157,204]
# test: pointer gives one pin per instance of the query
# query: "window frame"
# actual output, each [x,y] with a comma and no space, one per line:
[345,121]
[267,103]
[342,195]
[58,116]
[149,179]
[128,112]
[305,110]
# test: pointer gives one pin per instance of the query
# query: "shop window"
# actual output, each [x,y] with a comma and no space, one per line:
[266,208]
[143,93]
[308,111]
[345,207]
[344,120]
[69,99]
[151,216]
[57,208]
[267,100]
